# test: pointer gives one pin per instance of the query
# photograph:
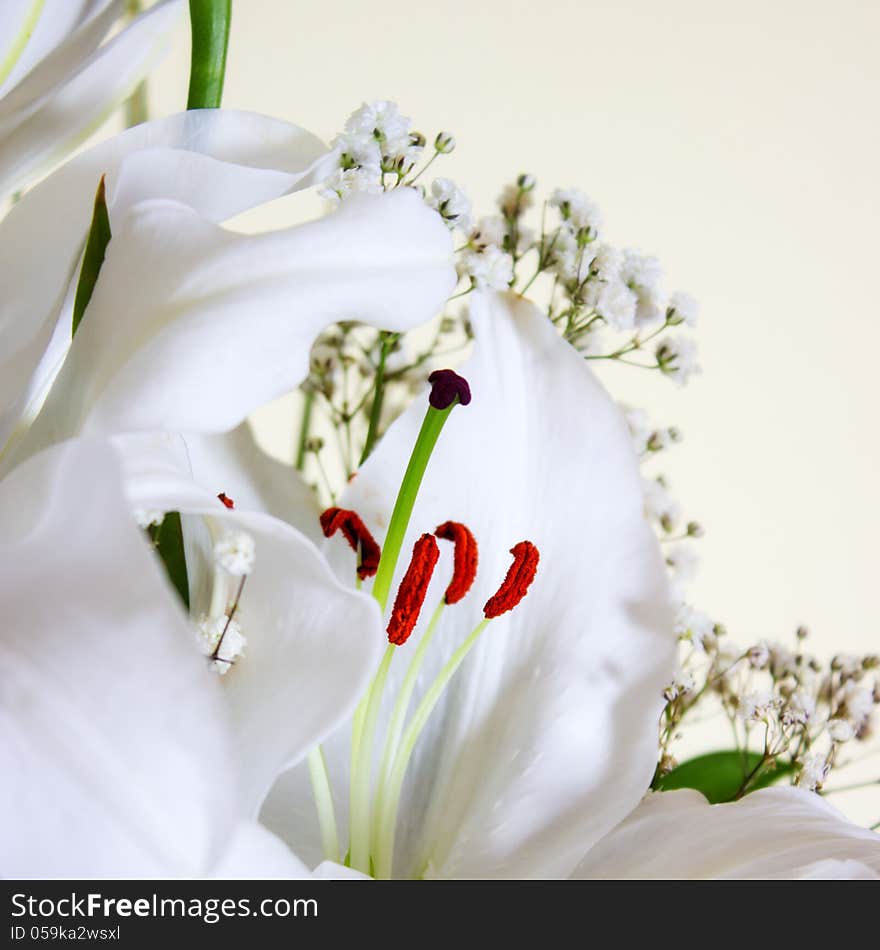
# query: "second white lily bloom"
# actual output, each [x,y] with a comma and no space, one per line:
[115,744]
[59,80]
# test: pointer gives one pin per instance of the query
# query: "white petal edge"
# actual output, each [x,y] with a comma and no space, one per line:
[772,833]
[231,318]
[56,20]
[75,89]
[219,162]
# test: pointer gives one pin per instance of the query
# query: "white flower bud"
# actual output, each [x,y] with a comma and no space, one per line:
[235,552]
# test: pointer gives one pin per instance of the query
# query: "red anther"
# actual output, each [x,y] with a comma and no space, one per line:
[226,500]
[516,584]
[464,560]
[355,532]
[413,587]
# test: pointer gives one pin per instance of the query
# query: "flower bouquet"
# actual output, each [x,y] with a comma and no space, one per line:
[453,638]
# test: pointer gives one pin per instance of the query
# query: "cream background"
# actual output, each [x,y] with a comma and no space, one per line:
[739,143]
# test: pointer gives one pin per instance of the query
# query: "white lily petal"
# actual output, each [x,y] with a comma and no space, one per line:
[72,90]
[547,736]
[230,318]
[50,22]
[254,853]
[219,162]
[775,832]
[234,463]
[312,643]
[114,758]
[330,871]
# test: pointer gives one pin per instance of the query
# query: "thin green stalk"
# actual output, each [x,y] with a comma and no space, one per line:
[210,21]
[388,818]
[304,426]
[378,398]
[324,804]
[137,104]
[432,426]
[401,707]
[362,776]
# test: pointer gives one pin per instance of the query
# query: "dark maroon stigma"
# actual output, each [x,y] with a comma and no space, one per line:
[358,536]
[446,385]
[227,501]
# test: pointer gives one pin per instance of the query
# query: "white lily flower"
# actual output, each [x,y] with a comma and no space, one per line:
[544,743]
[115,748]
[59,80]
[546,738]
[219,162]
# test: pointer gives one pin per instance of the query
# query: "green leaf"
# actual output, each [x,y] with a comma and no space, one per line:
[168,538]
[720,776]
[93,259]
[210,21]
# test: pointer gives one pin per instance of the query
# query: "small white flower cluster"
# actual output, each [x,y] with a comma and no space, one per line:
[220,638]
[662,509]
[235,553]
[377,141]
[793,710]
[601,286]
[646,437]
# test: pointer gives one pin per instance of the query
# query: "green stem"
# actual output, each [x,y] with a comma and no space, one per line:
[362,761]
[137,104]
[432,426]
[93,257]
[305,424]
[324,804]
[401,707]
[378,397]
[210,20]
[388,818]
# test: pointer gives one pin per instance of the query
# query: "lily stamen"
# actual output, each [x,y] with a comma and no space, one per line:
[464,560]
[412,590]
[516,584]
[358,536]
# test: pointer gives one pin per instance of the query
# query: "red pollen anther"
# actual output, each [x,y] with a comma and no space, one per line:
[226,500]
[464,569]
[356,533]
[413,587]
[516,584]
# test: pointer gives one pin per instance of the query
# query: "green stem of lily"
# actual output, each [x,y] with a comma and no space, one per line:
[362,765]
[378,397]
[388,817]
[137,104]
[210,21]
[433,424]
[324,804]
[398,716]
[304,426]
